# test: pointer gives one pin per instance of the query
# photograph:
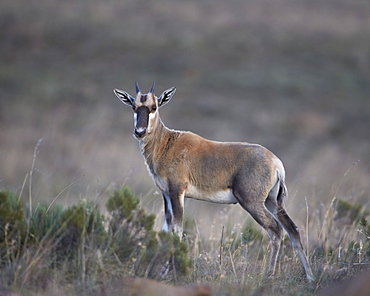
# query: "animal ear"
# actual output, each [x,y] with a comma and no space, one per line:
[166,96]
[124,97]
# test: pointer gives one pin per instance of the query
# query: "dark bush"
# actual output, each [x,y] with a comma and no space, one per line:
[134,240]
[13,226]
[73,243]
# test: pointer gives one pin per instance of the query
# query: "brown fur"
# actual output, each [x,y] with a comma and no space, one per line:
[179,155]
[184,164]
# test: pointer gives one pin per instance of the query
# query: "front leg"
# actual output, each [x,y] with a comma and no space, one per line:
[168,213]
[173,212]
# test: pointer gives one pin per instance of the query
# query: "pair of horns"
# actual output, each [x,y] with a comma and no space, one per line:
[138,89]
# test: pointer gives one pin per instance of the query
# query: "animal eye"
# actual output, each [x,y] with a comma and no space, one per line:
[154,108]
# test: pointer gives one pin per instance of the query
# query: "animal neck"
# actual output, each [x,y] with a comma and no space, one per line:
[151,145]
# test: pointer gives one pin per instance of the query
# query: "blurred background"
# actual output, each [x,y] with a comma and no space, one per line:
[290,75]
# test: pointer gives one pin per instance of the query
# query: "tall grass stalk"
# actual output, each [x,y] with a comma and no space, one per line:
[61,192]
[307,227]
[35,151]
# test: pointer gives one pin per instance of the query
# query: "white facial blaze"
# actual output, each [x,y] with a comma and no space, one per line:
[135,120]
[151,121]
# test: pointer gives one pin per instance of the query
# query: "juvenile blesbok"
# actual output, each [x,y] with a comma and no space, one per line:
[184,164]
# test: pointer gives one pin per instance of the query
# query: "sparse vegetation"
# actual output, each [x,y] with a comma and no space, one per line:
[79,250]
[72,247]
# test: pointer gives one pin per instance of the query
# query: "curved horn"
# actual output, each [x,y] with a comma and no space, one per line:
[137,87]
[152,88]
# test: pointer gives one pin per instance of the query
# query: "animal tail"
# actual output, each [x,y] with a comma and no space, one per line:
[283,191]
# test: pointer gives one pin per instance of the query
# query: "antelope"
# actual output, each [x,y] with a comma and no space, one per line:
[183,164]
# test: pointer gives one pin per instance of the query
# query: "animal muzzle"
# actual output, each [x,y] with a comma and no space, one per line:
[140,132]
[142,119]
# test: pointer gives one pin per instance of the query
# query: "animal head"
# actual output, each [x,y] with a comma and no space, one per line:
[145,107]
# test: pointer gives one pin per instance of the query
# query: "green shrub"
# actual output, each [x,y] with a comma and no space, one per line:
[13,226]
[129,226]
[84,219]
[134,240]
[356,215]
[345,249]
[122,204]
[251,234]
[12,218]
[45,222]
[353,212]
[80,232]
[48,243]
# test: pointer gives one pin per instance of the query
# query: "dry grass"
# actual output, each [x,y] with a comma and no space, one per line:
[230,260]
[292,77]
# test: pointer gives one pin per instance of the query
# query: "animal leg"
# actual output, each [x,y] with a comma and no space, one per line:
[178,213]
[173,211]
[293,233]
[168,214]
[276,206]
[263,217]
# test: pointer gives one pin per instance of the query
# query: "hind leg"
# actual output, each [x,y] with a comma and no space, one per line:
[275,205]
[263,217]
[293,233]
